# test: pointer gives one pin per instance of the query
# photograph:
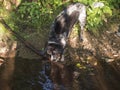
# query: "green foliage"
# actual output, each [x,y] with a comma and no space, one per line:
[3,12]
[114,4]
[32,14]
[41,14]
[38,15]
[2,29]
[96,15]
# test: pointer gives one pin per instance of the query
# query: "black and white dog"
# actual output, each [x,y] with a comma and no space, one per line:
[61,29]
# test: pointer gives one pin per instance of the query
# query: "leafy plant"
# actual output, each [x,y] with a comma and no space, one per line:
[28,13]
[114,4]
[96,15]
[37,15]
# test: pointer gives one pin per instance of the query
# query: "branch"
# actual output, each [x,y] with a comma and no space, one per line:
[27,44]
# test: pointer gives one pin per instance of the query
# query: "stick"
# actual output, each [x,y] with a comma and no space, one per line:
[27,44]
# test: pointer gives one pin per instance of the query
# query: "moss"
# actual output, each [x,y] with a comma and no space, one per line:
[2,29]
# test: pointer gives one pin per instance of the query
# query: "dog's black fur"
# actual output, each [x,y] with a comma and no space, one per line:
[61,29]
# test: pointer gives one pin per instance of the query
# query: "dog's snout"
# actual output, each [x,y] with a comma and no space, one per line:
[54,58]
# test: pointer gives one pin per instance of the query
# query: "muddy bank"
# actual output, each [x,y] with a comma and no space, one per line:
[31,74]
[7,53]
[104,44]
[97,59]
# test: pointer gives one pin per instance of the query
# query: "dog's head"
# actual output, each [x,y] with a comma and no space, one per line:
[54,52]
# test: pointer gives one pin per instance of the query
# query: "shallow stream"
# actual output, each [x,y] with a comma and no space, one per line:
[32,74]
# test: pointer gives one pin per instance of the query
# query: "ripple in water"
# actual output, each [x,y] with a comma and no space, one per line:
[42,79]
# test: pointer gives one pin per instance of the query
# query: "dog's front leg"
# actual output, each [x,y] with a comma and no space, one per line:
[82,22]
[62,58]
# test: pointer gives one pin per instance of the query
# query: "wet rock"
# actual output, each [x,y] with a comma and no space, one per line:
[1,61]
[108,60]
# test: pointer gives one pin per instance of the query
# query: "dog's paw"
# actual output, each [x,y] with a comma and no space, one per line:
[62,58]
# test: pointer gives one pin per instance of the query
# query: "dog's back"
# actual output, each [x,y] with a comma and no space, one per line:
[64,22]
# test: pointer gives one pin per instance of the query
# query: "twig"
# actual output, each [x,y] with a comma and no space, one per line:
[27,44]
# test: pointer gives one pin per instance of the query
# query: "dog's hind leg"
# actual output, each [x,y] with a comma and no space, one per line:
[81,31]
[82,21]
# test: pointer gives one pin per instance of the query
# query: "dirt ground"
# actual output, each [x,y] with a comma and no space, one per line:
[97,59]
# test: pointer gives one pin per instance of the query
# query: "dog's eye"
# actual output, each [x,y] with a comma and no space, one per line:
[49,52]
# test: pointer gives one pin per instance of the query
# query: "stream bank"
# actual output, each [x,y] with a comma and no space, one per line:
[93,64]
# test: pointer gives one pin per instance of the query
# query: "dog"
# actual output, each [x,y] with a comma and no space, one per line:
[61,29]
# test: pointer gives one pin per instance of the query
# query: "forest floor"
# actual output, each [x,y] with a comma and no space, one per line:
[97,59]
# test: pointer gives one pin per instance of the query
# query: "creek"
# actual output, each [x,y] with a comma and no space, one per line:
[32,74]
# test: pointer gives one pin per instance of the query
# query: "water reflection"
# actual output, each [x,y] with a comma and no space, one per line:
[31,75]
[37,75]
[43,79]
